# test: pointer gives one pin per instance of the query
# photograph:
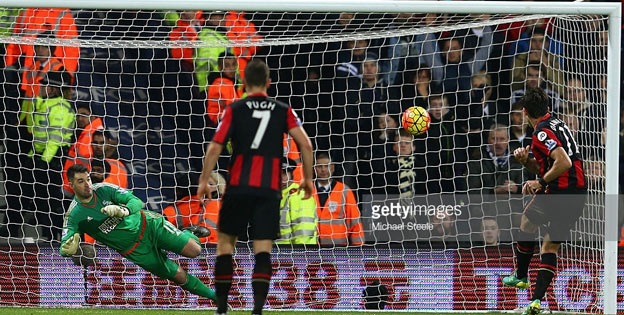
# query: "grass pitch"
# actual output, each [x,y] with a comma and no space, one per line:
[95,311]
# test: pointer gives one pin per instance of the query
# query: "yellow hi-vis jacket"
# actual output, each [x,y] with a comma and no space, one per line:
[206,58]
[297,217]
[53,126]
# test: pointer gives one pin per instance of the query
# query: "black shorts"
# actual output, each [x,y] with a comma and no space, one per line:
[260,214]
[556,213]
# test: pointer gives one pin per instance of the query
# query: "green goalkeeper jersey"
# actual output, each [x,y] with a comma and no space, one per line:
[118,233]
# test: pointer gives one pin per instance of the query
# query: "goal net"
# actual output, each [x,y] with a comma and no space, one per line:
[432,218]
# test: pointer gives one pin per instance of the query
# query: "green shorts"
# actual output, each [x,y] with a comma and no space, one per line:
[159,237]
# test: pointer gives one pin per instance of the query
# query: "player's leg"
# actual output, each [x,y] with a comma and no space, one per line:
[264,230]
[233,220]
[524,249]
[547,267]
[261,278]
[183,243]
[224,269]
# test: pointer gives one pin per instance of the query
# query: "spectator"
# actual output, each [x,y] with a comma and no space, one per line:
[86,126]
[297,215]
[375,296]
[110,171]
[34,21]
[44,62]
[520,134]
[374,89]
[490,231]
[414,91]
[538,54]
[338,213]
[241,30]
[101,147]
[187,29]
[482,111]
[535,77]
[53,123]
[589,118]
[444,148]
[494,178]
[371,171]
[207,56]
[189,212]
[291,151]
[444,229]
[459,69]
[224,87]
[351,58]
[404,172]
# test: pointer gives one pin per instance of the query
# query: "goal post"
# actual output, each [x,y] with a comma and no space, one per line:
[504,11]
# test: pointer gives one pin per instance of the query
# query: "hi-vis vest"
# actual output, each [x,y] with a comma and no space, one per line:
[31,79]
[53,126]
[297,217]
[33,21]
[189,211]
[339,218]
[81,152]
[206,57]
[292,152]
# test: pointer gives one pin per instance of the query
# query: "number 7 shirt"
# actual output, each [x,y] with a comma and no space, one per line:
[256,126]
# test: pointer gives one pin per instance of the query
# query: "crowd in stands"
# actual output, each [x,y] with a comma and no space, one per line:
[349,95]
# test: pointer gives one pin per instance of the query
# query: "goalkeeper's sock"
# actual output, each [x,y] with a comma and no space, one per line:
[261,279]
[197,287]
[524,253]
[223,280]
[547,270]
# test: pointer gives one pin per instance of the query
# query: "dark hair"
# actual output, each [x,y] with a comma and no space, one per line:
[322,155]
[538,30]
[535,101]
[74,169]
[256,73]
[224,55]
[404,133]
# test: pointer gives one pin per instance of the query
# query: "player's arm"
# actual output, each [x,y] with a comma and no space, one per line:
[522,155]
[562,163]
[125,197]
[71,238]
[125,203]
[305,147]
[213,152]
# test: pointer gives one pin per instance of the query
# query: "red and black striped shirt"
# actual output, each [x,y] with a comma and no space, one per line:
[256,127]
[551,133]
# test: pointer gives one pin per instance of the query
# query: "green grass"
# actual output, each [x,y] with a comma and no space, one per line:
[80,311]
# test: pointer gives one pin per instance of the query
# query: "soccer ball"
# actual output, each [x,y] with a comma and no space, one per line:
[416,120]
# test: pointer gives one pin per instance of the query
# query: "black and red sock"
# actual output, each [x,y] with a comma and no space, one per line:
[261,280]
[223,281]
[545,274]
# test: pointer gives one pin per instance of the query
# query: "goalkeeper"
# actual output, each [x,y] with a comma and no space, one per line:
[114,216]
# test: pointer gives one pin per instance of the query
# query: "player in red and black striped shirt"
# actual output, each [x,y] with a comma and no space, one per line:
[256,126]
[560,194]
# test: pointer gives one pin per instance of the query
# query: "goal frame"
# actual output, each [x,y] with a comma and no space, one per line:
[612,10]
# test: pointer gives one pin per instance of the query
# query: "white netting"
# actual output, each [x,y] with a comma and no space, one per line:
[150,78]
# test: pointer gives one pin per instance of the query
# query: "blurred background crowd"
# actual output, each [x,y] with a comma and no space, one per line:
[140,118]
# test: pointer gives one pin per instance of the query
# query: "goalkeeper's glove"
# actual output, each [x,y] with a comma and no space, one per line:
[115,211]
[70,247]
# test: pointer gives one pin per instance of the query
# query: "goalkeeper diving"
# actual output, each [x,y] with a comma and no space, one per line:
[115,217]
